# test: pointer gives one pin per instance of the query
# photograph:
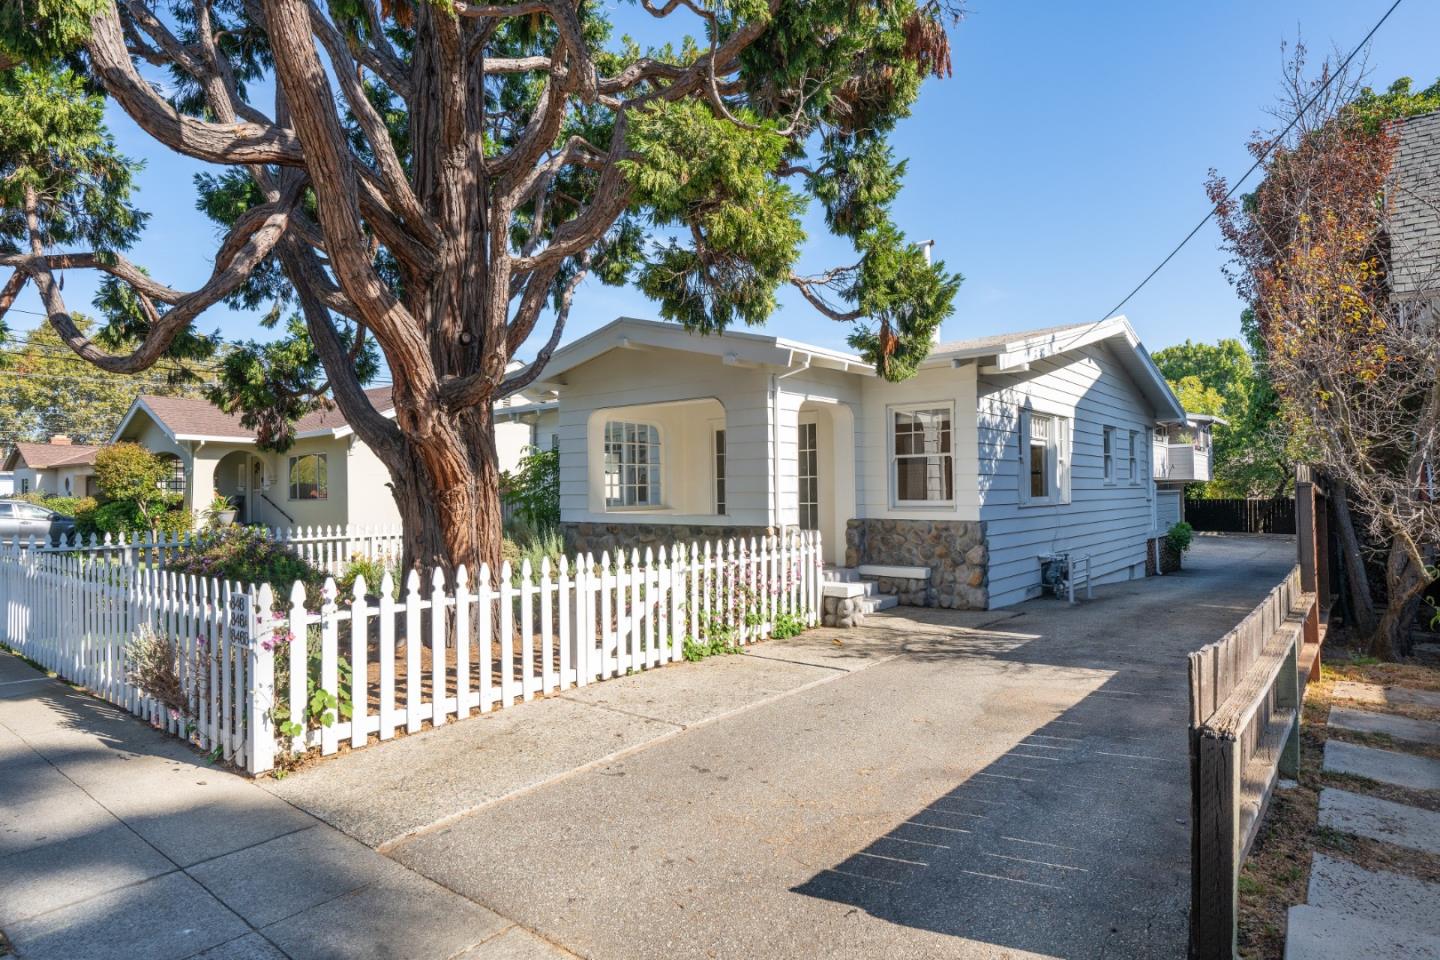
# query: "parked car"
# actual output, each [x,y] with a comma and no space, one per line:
[22,520]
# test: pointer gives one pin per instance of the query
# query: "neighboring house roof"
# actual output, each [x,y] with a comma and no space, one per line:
[1001,353]
[185,418]
[43,456]
[1415,208]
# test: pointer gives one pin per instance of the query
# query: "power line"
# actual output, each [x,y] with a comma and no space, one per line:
[1274,142]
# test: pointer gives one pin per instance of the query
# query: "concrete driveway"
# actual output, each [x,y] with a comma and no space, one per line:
[1000,786]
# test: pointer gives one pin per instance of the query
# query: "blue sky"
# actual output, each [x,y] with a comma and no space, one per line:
[1062,161]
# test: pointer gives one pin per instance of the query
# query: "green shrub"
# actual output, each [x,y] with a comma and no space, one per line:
[249,555]
[1178,537]
[373,570]
[533,490]
[65,506]
[132,495]
[787,625]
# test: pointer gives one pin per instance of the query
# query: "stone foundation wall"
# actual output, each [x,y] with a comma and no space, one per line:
[598,537]
[1169,557]
[954,550]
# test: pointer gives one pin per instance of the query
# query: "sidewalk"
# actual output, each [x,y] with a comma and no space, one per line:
[117,841]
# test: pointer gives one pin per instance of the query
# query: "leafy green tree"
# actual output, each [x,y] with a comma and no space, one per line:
[45,389]
[132,493]
[533,490]
[1252,449]
[477,162]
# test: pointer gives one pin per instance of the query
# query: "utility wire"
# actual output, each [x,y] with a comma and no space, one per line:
[1274,142]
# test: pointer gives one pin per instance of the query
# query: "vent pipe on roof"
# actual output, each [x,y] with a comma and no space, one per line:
[928,246]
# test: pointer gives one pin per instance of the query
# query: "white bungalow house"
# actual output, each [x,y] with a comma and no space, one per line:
[59,467]
[948,488]
[327,477]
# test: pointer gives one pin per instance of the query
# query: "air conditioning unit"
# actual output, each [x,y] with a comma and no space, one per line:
[1061,573]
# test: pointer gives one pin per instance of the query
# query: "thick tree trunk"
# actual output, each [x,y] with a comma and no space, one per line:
[1403,584]
[450,520]
[1362,602]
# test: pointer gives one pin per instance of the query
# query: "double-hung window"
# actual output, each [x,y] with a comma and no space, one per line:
[1135,456]
[922,454]
[1109,454]
[309,477]
[1044,458]
[632,464]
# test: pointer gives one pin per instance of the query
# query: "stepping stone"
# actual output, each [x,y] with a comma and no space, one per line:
[1385,696]
[1395,727]
[1315,933]
[1377,895]
[1387,766]
[1380,820]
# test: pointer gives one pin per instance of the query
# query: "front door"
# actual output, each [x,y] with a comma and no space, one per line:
[809,477]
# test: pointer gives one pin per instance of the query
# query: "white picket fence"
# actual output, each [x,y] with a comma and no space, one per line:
[327,548]
[374,663]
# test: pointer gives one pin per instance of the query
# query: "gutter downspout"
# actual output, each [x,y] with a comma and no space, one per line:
[775,433]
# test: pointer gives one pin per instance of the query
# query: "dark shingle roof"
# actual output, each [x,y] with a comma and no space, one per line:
[1415,208]
[201,418]
[42,455]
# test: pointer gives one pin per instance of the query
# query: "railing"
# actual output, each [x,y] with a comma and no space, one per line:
[1245,695]
[325,670]
[1181,461]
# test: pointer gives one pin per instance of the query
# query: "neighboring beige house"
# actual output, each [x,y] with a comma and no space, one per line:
[61,467]
[327,477]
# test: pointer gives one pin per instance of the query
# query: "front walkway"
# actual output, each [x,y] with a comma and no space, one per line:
[119,842]
[940,784]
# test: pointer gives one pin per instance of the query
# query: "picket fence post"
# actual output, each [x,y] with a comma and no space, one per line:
[250,615]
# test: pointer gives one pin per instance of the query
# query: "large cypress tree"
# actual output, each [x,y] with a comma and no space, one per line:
[432,180]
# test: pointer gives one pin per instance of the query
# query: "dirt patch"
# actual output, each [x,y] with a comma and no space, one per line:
[1277,874]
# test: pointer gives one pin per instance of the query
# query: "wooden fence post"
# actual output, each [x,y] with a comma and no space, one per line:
[249,618]
[1217,832]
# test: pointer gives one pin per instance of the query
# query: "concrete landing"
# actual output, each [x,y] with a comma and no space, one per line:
[1317,934]
[1387,724]
[1380,820]
[1386,766]
[1385,696]
[1378,895]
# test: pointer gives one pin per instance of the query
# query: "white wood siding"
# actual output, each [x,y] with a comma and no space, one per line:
[624,378]
[1110,522]
[942,385]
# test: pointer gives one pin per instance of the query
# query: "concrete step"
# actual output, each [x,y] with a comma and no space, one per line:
[1377,895]
[1386,766]
[841,574]
[1318,933]
[853,588]
[878,602]
[1393,726]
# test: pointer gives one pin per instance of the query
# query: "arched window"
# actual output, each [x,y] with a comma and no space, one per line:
[632,464]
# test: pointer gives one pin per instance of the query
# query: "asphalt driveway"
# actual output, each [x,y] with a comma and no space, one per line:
[938,785]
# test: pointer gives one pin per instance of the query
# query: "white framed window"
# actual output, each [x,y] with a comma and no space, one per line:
[1135,456]
[309,477]
[808,477]
[632,464]
[1044,458]
[24,484]
[720,471]
[1109,454]
[922,454]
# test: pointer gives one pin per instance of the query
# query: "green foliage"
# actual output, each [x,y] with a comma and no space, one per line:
[716,639]
[524,543]
[787,625]
[322,707]
[533,490]
[52,392]
[1253,449]
[373,569]
[1179,536]
[1397,102]
[132,497]
[65,506]
[248,554]
[53,142]
[904,298]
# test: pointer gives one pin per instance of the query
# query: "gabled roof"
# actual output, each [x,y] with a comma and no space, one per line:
[187,418]
[1004,351]
[735,347]
[1016,351]
[40,456]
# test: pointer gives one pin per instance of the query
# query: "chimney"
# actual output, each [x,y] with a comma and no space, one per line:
[60,440]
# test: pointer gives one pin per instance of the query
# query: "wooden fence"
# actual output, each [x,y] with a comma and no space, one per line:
[1245,694]
[323,670]
[1241,516]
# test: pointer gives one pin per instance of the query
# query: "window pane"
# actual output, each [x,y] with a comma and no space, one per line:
[1039,469]
[632,464]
